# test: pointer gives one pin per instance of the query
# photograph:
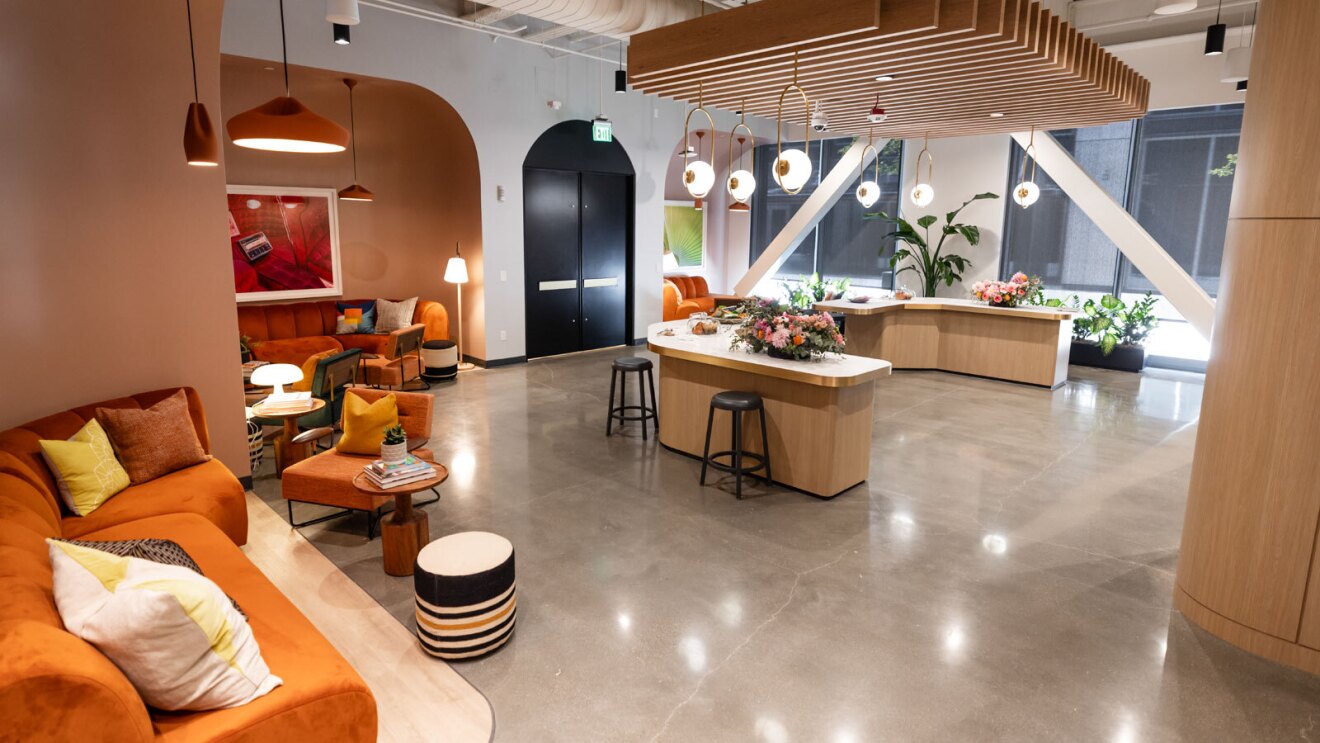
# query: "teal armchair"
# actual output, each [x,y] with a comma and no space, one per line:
[332,376]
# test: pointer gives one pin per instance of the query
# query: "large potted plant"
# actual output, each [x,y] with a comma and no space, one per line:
[1110,334]
[933,265]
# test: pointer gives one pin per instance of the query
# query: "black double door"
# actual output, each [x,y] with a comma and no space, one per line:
[575,244]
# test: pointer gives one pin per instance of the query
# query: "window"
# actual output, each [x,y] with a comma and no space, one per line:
[849,240]
[1162,169]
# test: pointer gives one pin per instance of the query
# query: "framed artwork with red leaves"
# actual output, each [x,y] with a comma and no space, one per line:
[284,242]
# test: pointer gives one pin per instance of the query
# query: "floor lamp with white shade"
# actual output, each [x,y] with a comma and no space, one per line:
[456,273]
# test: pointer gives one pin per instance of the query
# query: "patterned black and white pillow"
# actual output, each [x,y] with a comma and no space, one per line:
[162,551]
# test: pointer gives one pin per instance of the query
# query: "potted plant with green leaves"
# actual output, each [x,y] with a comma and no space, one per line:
[394,448]
[1111,334]
[812,289]
[932,264]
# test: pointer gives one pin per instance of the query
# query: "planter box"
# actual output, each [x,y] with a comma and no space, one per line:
[1122,358]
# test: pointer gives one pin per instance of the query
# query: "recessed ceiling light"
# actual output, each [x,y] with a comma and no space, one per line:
[883,78]
[997,115]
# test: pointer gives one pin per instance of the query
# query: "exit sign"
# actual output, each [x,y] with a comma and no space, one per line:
[602,130]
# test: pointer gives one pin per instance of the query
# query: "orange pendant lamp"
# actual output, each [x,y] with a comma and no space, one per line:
[354,192]
[200,144]
[284,124]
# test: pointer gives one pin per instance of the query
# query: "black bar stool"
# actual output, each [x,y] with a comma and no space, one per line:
[619,372]
[737,403]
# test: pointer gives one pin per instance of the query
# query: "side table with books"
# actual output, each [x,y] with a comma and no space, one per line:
[406,530]
[288,411]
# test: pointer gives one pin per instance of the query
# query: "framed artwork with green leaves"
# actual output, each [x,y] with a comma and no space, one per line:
[685,230]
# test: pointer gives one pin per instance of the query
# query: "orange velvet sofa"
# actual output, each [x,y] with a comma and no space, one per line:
[289,333]
[684,295]
[55,686]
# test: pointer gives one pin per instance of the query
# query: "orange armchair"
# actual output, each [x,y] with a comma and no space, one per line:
[687,294]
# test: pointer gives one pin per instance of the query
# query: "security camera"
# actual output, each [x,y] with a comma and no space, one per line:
[819,121]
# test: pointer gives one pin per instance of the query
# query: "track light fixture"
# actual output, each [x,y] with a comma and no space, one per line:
[741,184]
[620,75]
[1026,192]
[1214,34]
[792,167]
[341,34]
[923,193]
[200,144]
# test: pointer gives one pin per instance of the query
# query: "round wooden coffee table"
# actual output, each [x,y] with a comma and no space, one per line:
[287,452]
[406,531]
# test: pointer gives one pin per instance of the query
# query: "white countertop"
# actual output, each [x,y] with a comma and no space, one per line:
[832,370]
[877,306]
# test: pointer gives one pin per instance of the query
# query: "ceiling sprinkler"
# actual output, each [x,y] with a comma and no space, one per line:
[877,114]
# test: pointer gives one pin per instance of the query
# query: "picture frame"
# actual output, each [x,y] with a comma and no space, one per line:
[685,234]
[284,242]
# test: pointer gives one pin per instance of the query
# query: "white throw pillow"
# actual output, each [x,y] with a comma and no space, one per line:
[392,316]
[173,632]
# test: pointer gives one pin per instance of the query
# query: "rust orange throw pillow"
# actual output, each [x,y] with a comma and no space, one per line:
[154,441]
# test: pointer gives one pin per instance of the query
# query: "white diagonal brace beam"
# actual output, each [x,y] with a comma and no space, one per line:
[1123,230]
[833,186]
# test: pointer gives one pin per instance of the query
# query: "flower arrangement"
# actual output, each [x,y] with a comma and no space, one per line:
[785,334]
[1019,289]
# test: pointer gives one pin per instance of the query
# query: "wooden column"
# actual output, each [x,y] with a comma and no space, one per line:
[1249,571]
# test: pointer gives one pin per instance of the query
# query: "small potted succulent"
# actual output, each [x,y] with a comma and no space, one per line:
[395,447]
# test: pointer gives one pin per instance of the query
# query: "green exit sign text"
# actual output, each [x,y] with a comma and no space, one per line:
[602,130]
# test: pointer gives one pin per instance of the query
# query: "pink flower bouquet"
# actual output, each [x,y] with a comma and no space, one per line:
[1019,289]
[789,336]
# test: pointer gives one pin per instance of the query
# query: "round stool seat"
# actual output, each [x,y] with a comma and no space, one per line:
[632,363]
[737,401]
[466,594]
[441,360]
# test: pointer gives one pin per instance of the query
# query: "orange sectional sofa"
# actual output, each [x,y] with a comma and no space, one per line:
[55,686]
[684,295]
[289,333]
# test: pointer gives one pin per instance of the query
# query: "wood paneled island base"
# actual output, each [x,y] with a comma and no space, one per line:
[819,425]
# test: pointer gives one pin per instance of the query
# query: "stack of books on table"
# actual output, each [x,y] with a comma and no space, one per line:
[288,402]
[411,469]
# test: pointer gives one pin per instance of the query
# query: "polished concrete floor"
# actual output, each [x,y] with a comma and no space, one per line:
[1005,575]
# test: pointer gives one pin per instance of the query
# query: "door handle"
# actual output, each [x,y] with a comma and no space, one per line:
[590,283]
[551,286]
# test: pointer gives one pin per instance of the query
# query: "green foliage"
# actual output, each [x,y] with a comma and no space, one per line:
[1228,168]
[933,265]
[1112,323]
[683,226]
[812,289]
[396,435]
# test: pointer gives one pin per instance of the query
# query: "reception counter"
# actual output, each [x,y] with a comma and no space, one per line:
[818,413]
[1029,345]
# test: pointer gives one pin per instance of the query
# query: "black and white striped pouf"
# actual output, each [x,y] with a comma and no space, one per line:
[466,594]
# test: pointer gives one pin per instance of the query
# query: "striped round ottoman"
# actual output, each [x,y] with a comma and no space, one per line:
[466,597]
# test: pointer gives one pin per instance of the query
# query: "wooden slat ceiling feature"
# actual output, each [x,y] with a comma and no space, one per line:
[954,63]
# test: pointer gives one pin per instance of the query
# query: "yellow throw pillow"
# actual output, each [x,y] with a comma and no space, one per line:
[309,370]
[365,424]
[86,471]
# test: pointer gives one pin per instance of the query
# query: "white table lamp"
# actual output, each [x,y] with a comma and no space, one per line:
[456,273]
[276,375]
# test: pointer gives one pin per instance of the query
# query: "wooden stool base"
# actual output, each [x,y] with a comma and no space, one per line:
[402,540]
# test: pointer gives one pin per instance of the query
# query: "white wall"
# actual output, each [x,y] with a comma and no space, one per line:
[500,89]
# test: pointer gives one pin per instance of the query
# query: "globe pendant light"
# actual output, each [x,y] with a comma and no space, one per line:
[698,176]
[741,184]
[284,124]
[792,167]
[869,191]
[1026,192]
[923,193]
[353,192]
[200,145]
[1214,34]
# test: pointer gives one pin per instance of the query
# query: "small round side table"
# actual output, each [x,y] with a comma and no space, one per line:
[406,531]
[286,453]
